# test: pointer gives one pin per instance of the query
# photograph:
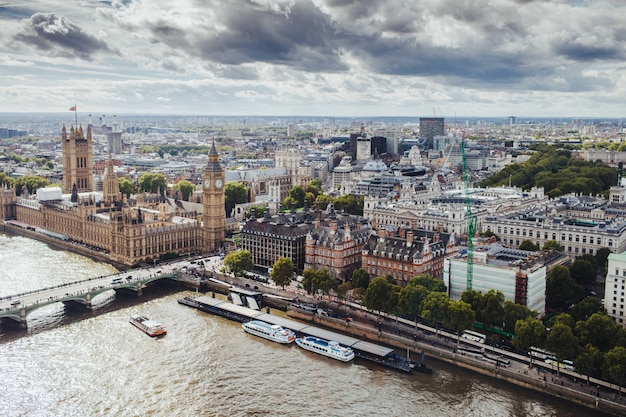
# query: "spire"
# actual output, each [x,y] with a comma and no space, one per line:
[214,160]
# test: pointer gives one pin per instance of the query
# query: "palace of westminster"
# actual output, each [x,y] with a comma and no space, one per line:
[124,231]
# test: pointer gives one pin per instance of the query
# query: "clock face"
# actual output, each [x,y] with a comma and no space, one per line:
[207,183]
[218,183]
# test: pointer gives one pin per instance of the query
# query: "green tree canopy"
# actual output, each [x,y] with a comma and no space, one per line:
[150,182]
[234,193]
[360,278]
[529,332]
[514,312]
[435,308]
[297,194]
[552,244]
[582,271]
[282,271]
[460,316]
[186,188]
[127,187]
[562,342]
[529,246]
[599,330]
[614,366]
[378,295]
[560,287]
[585,308]
[411,298]
[318,280]
[589,361]
[239,262]
[431,284]
[29,182]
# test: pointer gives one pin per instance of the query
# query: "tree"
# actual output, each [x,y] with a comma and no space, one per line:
[552,244]
[435,308]
[560,287]
[282,271]
[298,195]
[529,332]
[614,366]
[288,203]
[529,246]
[599,330]
[410,299]
[378,295]
[492,312]
[432,284]
[563,318]
[585,308]
[589,361]
[185,187]
[350,204]
[127,187]
[602,255]
[562,342]
[152,183]
[360,279]
[460,316]
[239,262]
[29,182]
[319,280]
[582,271]
[234,193]
[322,201]
[514,312]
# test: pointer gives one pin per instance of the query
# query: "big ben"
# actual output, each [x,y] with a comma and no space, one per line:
[214,212]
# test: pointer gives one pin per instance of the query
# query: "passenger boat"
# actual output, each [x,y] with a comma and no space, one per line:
[149,327]
[329,348]
[272,332]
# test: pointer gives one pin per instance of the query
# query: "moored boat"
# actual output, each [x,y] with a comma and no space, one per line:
[329,348]
[272,332]
[149,327]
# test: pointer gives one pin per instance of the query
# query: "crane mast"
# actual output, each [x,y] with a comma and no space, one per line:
[471,220]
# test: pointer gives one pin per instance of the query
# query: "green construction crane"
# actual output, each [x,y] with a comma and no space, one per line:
[471,220]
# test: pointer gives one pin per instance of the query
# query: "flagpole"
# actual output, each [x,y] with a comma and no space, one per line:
[76,116]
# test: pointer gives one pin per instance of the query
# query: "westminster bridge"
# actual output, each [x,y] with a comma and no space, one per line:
[81,293]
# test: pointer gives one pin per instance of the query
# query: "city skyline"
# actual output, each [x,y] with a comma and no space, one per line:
[315,58]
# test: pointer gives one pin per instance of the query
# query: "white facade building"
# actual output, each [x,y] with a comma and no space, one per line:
[614,288]
[519,275]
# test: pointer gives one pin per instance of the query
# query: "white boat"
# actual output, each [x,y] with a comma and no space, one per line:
[272,332]
[329,348]
[149,327]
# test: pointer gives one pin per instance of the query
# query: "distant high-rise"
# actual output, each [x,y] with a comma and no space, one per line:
[431,127]
[512,120]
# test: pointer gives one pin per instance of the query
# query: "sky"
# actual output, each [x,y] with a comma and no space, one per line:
[475,58]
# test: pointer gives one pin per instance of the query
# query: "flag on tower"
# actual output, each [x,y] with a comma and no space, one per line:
[73,108]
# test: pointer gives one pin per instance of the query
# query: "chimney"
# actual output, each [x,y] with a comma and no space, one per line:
[382,233]
[333,226]
[409,238]
[316,222]
[402,232]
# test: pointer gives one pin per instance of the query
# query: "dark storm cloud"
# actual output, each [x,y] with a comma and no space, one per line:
[49,33]
[580,52]
[298,35]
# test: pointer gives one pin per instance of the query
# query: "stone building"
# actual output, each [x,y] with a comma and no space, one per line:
[335,248]
[127,231]
[285,234]
[614,288]
[407,253]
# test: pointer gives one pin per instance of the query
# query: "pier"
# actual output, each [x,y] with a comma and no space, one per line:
[362,348]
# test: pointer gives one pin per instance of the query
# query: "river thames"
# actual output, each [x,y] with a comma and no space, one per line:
[97,364]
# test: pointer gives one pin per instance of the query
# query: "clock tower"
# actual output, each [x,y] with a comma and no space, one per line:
[214,212]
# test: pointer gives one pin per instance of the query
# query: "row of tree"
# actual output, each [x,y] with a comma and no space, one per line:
[558,173]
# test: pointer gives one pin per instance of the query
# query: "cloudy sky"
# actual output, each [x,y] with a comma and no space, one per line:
[315,57]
